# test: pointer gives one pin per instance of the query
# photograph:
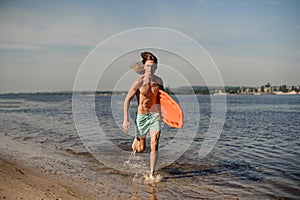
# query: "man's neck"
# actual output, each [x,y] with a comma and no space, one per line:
[148,78]
[149,75]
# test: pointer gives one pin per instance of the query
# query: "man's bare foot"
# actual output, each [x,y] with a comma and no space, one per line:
[152,178]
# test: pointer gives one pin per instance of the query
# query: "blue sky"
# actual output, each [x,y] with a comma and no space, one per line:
[43,44]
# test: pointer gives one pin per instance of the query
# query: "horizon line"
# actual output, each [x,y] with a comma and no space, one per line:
[121,91]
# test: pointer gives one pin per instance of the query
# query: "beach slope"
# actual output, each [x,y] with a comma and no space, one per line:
[19,182]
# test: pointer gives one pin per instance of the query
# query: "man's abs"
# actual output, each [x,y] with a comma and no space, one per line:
[148,101]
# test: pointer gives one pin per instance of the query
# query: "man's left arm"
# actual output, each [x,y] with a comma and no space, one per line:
[161,84]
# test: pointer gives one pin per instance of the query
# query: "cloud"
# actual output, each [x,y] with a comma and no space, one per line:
[23,26]
[23,46]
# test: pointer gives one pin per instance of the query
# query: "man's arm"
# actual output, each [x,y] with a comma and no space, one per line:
[160,83]
[131,93]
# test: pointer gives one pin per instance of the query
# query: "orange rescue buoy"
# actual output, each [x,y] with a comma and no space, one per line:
[171,112]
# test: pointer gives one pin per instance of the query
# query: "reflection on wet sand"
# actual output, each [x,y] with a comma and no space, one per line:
[135,191]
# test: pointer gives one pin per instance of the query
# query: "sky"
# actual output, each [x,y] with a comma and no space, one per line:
[44,43]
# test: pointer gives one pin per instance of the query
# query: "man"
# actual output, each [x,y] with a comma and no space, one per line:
[146,89]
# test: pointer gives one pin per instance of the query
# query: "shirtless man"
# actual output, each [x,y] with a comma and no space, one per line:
[145,88]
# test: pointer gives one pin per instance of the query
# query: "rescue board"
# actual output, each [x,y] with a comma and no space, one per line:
[171,112]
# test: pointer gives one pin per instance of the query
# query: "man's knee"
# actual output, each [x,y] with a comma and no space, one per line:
[140,145]
[154,145]
[140,149]
[154,141]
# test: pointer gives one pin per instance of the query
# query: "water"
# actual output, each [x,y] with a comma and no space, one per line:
[256,157]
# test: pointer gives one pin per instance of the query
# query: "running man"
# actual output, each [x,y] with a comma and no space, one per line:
[148,119]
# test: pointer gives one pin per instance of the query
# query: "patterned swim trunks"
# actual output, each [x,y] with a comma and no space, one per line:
[147,122]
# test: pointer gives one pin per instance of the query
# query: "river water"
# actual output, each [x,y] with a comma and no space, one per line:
[257,155]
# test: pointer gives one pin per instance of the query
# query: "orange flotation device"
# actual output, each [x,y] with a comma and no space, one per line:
[171,112]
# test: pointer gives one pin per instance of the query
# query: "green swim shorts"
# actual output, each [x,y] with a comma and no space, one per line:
[147,122]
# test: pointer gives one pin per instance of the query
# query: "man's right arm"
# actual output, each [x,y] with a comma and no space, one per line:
[131,93]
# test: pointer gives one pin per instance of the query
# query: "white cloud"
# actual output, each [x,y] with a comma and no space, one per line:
[21,26]
[23,46]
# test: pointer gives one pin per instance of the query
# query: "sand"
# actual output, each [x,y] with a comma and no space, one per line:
[19,182]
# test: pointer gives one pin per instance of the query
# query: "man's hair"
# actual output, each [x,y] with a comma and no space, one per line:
[148,56]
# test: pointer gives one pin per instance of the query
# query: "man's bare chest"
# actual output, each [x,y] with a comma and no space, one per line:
[149,89]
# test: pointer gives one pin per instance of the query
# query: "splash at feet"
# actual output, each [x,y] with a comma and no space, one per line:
[136,164]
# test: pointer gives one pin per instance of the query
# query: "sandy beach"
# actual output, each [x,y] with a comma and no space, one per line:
[19,182]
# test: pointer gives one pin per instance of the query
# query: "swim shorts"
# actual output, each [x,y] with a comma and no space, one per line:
[147,122]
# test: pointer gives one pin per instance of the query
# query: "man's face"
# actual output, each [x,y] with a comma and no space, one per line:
[150,67]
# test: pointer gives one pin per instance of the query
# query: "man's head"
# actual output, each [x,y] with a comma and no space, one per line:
[148,56]
[150,62]
[150,67]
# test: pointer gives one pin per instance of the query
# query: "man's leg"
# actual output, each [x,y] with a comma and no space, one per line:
[139,144]
[154,153]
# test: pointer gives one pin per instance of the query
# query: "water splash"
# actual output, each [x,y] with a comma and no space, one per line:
[137,164]
[152,180]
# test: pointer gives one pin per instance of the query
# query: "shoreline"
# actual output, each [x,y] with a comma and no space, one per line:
[20,182]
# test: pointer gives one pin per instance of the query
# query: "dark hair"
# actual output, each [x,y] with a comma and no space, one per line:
[148,56]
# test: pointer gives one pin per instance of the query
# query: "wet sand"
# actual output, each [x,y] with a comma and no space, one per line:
[19,182]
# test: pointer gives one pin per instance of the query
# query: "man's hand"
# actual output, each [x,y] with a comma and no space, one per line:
[126,125]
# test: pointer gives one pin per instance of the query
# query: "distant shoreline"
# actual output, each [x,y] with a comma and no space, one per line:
[124,93]
[186,90]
